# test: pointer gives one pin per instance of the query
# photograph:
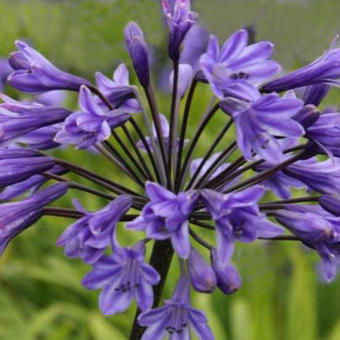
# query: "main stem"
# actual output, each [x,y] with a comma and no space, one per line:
[160,260]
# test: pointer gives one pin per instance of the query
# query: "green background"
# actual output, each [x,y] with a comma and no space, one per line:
[40,292]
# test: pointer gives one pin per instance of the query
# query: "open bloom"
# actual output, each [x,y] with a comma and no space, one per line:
[90,235]
[17,216]
[90,125]
[176,318]
[34,73]
[166,216]
[118,90]
[123,276]
[237,217]
[258,123]
[236,62]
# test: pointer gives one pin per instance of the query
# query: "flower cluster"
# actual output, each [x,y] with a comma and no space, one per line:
[241,188]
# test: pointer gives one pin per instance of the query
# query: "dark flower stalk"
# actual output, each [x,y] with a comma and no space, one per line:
[161,190]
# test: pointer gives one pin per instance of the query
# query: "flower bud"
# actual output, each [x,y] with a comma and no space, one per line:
[228,277]
[307,116]
[138,50]
[331,203]
[202,276]
[315,93]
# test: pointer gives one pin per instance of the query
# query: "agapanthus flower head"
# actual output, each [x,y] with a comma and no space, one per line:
[123,276]
[17,216]
[241,188]
[91,124]
[176,317]
[180,19]
[325,70]
[34,73]
[236,62]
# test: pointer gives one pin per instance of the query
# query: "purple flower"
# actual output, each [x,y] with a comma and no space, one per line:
[43,138]
[324,134]
[123,276]
[307,116]
[17,216]
[236,62]
[5,70]
[17,165]
[194,45]
[237,217]
[90,125]
[314,94]
[118,91]
[318,230]
[196,163]
[139,52]
[32,184]
[166,216]
[202,276]
[228,277]
[279,182]
[19,119]
[258,123]
[175,318]
[323,176]
[331,203]
[165,134]
[51,98]
[89,236]
[185,75]
[34,73]
[325,69]
[180,19]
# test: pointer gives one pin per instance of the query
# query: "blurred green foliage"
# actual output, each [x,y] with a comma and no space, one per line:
[41,296]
